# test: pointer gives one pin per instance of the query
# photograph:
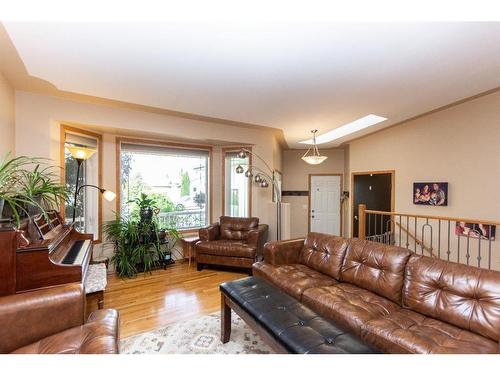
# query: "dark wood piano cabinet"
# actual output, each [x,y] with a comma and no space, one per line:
[41,264]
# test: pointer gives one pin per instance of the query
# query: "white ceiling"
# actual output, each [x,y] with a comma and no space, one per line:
[291,76]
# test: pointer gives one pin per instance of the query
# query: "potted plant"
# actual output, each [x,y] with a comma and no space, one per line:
[139,245]
[40,184]
[12,201]
[27,188]
[146,207]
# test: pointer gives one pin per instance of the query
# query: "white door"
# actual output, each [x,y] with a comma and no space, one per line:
[325,204]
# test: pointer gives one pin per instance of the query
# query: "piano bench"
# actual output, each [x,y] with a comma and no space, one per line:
[96,281]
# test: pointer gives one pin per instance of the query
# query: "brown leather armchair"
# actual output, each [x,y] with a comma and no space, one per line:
[235,242]
[51,321]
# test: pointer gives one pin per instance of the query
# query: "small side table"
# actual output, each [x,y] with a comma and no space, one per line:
[188,247]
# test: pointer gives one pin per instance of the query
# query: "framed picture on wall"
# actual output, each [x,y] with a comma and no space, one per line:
[430,193]
[278,178]
[475,230]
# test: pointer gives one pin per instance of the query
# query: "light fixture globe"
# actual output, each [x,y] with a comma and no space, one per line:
[109,195]
[312,155]
[248,173]
[264,184]
[314,160]
[239,169]
[242,154]
[257,178]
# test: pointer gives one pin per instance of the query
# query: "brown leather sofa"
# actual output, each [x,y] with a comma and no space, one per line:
[234,242]
[395,300]
[51,321]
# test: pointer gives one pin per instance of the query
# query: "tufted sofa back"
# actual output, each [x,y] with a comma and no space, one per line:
[461,295]
[376,267]
[324,253]
[236,228]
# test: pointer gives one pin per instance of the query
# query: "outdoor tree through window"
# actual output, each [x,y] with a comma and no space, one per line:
[177,179]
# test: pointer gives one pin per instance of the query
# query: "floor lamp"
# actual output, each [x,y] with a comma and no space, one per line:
[261,177]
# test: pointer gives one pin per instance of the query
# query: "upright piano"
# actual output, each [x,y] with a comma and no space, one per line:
[42,252]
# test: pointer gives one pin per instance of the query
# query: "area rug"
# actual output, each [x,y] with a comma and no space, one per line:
[199,335]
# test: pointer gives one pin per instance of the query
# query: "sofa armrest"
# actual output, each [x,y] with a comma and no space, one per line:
[258,237]
[210,233]
[28,317]
[283,252]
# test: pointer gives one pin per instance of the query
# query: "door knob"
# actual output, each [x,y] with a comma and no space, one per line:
[355,218]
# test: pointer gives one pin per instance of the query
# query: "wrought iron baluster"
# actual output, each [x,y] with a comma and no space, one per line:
[448,252]
[479,252]
[467,253]
[382,224]
[422,245]
[489,247]
[369,225]
[439,238]
[415,234]
[407,232]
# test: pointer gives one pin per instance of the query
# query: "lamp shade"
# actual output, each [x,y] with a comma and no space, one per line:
[242,154]
[239,169]
[109,195]
[81,152]
[314,160]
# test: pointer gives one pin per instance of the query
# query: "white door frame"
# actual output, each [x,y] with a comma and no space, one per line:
[309,199]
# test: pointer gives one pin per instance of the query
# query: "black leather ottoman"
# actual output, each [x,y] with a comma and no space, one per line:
[283,323]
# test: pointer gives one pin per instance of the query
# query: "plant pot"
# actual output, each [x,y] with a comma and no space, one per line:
[34,210]
[2,203]
[146,214]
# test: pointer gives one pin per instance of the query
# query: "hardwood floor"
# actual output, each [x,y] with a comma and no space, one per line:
[164,297]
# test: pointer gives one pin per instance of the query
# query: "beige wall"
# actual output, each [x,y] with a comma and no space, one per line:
[38,119]
[6,117]
[296,177]
[459,145]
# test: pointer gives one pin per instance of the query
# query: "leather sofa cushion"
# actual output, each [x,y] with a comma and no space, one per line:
[294,279]
[236,228]
[225,248]
[465,296]
[348,305]
[324,253]
[376,267]
[100,335]
[405,331]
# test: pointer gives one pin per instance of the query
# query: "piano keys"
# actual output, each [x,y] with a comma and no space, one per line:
[55,254]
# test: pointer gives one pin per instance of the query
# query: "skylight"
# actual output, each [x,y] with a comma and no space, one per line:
[342,131]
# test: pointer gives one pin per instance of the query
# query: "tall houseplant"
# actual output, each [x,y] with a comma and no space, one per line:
[140,245]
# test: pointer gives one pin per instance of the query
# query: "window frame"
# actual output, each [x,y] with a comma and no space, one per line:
[64,128]
[229,150]
[166,144]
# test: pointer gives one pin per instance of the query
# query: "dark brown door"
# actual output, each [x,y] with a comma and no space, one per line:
[374,190]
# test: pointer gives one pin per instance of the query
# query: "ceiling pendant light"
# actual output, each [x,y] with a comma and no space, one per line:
[314,158]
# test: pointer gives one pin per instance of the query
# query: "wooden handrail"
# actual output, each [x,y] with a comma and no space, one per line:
[414,238]
[444,218]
